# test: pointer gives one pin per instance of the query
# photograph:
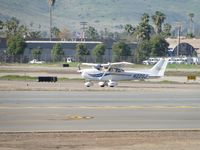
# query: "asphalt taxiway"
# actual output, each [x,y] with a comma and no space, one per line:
[103,111]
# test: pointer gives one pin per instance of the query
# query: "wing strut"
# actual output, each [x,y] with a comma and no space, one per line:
[109,65]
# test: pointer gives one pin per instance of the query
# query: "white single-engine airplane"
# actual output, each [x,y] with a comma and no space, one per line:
[108,74]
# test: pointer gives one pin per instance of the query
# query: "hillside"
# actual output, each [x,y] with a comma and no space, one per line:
[99,13]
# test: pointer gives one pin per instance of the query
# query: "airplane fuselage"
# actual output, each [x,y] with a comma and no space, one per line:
[93,74]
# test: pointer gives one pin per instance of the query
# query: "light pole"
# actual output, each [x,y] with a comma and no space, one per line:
[84,24]
[51,4]
[50,23]
[179,40]
[178,25]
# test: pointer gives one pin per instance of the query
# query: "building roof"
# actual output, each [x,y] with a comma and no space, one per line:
[65,42]
[195,43]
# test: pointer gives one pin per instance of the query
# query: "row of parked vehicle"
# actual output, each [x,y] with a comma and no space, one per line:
[174,60]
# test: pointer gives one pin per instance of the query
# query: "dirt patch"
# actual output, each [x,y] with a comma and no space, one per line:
[143,140]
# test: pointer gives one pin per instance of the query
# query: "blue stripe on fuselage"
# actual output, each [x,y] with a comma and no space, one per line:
[107,74]
[133,76]
[96,75]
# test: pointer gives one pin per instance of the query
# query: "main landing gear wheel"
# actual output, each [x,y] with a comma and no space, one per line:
[102,84]
[89,84]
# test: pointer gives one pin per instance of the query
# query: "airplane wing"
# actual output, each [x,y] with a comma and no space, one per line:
[90,64]
[119,64]
[116,64]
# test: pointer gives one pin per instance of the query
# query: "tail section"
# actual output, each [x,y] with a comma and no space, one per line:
[159,68]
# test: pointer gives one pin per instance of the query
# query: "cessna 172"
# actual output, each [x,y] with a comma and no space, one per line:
[108,74]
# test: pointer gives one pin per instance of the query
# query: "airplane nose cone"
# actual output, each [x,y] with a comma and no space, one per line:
[83,74]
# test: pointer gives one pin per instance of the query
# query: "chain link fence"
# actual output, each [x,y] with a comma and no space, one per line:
[49,59]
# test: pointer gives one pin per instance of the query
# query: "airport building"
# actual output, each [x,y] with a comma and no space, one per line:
[184,46]
[187,47]
[69,48]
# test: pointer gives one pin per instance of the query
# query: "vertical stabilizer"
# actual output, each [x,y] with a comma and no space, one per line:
[159,68]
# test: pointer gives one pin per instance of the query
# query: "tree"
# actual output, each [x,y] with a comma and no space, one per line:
[81,51]
[191,15]
[34,35]
[106,34]
[91,33]
[51,4]
[158,19]
[16,45]
[129,29]
[1,25]
[64,34]
[57,52]
[98,52]
[190,35]
[159,46]
[23,31]
[120,49]
[56,32]
[142,51]
[145,17]
[11,26]
[36,53]
[143,30]
[167,30]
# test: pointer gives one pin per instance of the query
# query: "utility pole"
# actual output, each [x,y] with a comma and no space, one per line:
[83,28]
[51,4]
[178,25]
[50,28]
[179,40]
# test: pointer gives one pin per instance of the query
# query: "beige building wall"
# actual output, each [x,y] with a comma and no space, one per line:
[194,42]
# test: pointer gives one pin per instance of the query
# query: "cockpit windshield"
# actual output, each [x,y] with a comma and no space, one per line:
[116,70]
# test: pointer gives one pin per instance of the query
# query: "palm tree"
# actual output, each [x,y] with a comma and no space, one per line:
[167,30]
[91,33]
[191,15]
[129,29]
[1,25]
[145,17]
[11,26]
[55,31]
[51,4]
[158,20]
[143,30]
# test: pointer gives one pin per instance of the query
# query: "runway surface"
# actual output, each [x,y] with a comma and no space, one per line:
[117,110]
